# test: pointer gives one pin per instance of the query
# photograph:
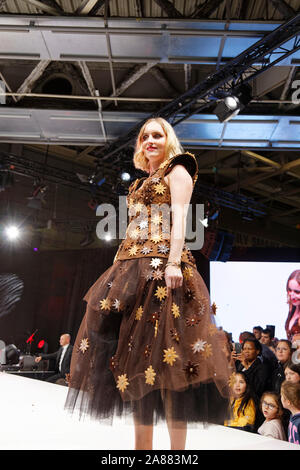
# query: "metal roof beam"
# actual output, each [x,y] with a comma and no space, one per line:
[206,9]
[286,10]
[169,8]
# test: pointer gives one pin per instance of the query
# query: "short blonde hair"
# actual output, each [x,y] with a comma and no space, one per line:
[173,146]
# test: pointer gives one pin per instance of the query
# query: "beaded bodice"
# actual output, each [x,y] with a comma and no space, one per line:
[150,218]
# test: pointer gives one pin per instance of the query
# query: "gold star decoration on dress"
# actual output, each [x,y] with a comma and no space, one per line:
[175,310]
[122,382]
[150,375]
[138,207]
[139,313]
[198,346]
[212,329]
[191,369]
[84,345]
[161,292]
[133,250]
[159,188]
[156,238]
[134,233]
[157,219]
[158,275]
[187,272]
[105,304]
[207,350]
[170,356]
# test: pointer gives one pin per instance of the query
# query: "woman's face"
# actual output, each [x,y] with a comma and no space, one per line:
[294,292]
[283,352]
[269,407]
[239,386]
[153,142]
[249,351]
[291,376]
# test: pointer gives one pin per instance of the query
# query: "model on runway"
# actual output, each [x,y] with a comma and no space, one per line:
[148,345]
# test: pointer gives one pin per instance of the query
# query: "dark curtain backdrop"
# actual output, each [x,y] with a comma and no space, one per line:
[55,283]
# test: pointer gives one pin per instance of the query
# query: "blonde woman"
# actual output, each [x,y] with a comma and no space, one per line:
[148,346]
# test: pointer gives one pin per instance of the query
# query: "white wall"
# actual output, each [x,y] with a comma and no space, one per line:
[248,294]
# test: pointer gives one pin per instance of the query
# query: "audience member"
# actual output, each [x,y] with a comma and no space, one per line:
[283,353]
[62,359]
[272,411]
[243,408]
[257,330]
[267,356]
[266,338]
[254,368]
[290,398]
[292,372]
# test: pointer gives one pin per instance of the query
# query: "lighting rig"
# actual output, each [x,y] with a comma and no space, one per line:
[229,85]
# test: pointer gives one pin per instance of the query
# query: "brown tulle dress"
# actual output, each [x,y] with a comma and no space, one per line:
[143,350]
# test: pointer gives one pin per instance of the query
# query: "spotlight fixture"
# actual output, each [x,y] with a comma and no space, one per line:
[12,232]
[125,176]
[231,105]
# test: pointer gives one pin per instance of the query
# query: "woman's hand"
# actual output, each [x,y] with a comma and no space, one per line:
[173,277]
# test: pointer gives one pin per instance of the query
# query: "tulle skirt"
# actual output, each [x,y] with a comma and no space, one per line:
[149,353]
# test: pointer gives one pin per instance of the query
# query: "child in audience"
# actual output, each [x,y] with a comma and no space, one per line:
[292,372]
[272,410]
[243,406]
[290,398]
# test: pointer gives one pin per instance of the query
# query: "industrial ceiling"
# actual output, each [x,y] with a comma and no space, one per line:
[79,77]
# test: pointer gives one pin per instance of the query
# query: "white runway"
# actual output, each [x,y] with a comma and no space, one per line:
[32,418]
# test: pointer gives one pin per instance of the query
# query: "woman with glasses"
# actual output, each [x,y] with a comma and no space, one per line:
[283,354]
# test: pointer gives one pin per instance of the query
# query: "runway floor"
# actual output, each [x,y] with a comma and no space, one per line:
[33,418]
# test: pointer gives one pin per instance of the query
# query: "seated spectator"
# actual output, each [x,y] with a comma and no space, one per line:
[242,404]
[62,359]
[249,363]
[272,411]
[292,372]
[283,353]
[257,330]
[266,338]
[290,398]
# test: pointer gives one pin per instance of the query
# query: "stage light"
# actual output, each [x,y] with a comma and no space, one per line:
[12,232]
[125,176]
[232,104]
[107,237]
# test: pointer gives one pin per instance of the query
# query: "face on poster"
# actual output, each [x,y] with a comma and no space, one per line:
[249,294]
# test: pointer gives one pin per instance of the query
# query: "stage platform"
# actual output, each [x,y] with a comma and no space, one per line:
[33,418]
